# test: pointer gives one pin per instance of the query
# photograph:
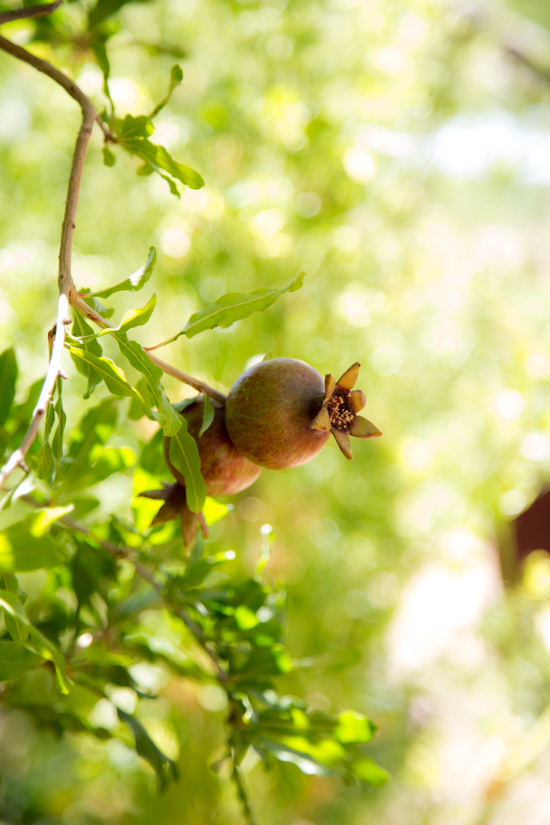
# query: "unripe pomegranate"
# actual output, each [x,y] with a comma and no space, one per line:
[279,413]
[224,469]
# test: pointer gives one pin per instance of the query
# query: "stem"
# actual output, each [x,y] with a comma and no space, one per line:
[90,313]
[241,792]
[54,370]
[30,11]
[65,282]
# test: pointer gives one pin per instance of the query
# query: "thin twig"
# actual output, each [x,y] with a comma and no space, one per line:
[90,313]
[30,11]
[65,282]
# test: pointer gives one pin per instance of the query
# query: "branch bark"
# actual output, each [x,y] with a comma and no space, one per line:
[200,386]
[65,282]
[30,11]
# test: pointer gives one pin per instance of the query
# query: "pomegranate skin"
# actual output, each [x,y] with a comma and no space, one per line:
[225,470]
[269,411]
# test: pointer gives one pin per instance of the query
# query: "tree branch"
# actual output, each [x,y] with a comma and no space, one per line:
[65,282]
[30,11]
[94,316]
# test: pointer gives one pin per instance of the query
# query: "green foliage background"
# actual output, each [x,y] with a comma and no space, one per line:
[331,137]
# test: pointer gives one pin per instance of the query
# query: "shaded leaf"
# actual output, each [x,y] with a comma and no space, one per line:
[82,328]
[163,766]
[18,631]
[15,660]
[113,376]
[184,455]
[44,461]
[109,159]
[10,604]
[8,378]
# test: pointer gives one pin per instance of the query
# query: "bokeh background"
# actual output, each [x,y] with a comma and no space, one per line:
[399,154]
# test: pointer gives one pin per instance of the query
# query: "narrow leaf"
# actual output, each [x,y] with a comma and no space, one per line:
[207,415]
[133,318]
[234,306]
[18,631]
[45,464]
[184,455]
[57,442]
[135,281]
[113,376]
[176,77]
[8,378]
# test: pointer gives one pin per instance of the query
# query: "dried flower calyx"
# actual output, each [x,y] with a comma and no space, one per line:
[339,413]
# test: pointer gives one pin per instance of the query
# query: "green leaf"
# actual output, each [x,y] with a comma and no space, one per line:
[163,766]
[113,376]
[134,127]
[136,281]
[57,442]
[104,9]
[44,461]
[81,328]
[207,415]
[168,419]
[133,318]
[8,378]
[176,77]
[15,660]
[184,455]
[368,771]
[353,727]
[93,430]
[160,160]
[10,604]
[234,306]
[26,546]
[17,630]
[109,159]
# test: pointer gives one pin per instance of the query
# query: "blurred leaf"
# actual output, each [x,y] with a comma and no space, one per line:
[15,660]
[24,546]
[10,604]
[184,455]
[134,127]
[136,281]
[8,379]
[104,9]
[44,461]
[159,159]
[93,430]
[176,77]
[133,318]
[164,767]
[18,631]
[109,159]
[57,442]
[368,771]
[234,306]
[352,727]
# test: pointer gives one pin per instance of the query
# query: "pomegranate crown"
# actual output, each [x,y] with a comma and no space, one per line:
[339,413]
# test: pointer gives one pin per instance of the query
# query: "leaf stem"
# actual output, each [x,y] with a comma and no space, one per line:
[94,316]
